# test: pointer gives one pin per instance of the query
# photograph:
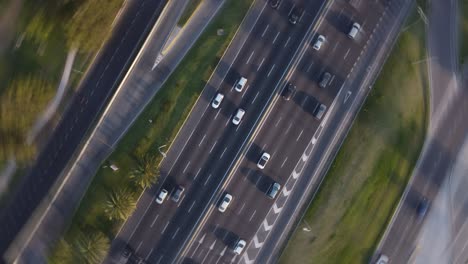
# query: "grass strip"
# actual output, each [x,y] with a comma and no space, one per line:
[372,169]
[167,111]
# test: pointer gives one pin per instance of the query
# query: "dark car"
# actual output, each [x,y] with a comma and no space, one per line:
[275,3]
[325,79]
[178,193]
[319,111]
[289,91]
[126,254]
[294,16]
[423,207]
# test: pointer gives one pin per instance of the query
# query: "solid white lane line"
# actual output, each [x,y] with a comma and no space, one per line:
[164,229]
[347,52]
[227,122]
[264,31]
[196,175]
[160,258]
[222,154]
[255,97]
[274,40]
[207,179]
[216,116]
[271,69]
[251,217]
[212,147]
[190,209]
[246,88]
[156,218]
[290,11]
[251,54]
[261,63]
[149,254]
[289,127]
[310,66]
[284,162]
[175,233]
[300,134]
[287,41]
[186,166]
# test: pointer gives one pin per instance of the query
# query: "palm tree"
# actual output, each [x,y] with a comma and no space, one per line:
[62,253]
[90,247]
[119,204]
[147,172]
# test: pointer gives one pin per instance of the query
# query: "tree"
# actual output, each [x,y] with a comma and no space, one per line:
[90,247]
[119,204]
[147,172]
[62,253]
[39,28]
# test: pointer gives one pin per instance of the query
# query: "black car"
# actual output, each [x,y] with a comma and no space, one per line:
[177,193]
[294,16]
[275,3]
[289,91]
[423,207]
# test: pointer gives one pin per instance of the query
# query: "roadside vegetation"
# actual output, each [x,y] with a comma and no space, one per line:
[188,12]
[112,195]
[35,39]
[366,180]
[463,30]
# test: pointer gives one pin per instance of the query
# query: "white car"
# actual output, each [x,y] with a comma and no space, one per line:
[217,100]
[263,160]
[318,43]
[238,116]
[354,30]
[162,196]
[225,202]
[240,245]
[382,259]
[240,84]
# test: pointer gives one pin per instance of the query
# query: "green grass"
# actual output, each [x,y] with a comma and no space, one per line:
[463,7]
[189,9]
[367,178]
[168,110]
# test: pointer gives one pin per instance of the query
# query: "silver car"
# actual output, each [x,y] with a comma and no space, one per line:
[238,116]
[239,247]
[318,43]
[225,202]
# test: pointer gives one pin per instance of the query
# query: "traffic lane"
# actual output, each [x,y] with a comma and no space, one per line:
[92,95]
[206,118]
[262,102]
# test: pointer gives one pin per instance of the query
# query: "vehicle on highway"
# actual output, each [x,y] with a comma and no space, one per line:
[383,259]
[294,16]
[423,207]
[239,247]
[217,100]
[354,30]
[273,190]
[263,160]
[177,193]
[326,76]
[319,111]
[319,42]
[275,3]
[240,84]
[238,116]
[289,91]
[126,254]
[162,196]
[225,202]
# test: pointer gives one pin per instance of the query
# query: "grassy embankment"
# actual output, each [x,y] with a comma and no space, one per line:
[371,170]
[168,111]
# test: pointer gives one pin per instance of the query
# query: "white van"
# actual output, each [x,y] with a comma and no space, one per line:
[240,84]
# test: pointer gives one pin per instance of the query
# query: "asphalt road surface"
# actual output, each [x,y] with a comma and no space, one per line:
[447,132]
[208,143]
[94,91]
[289,133]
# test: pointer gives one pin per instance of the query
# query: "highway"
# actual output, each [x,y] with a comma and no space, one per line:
[93,93]
[207,145]
[446,134]
[289,134]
